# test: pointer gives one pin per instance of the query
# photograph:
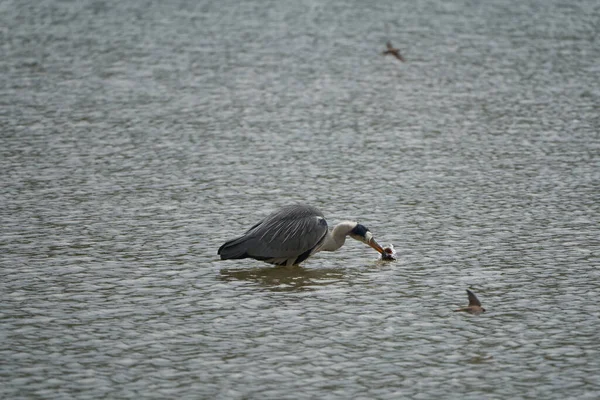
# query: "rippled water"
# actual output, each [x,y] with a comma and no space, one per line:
[136,137]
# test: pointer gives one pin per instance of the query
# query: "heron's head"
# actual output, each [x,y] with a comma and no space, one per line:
[363,234]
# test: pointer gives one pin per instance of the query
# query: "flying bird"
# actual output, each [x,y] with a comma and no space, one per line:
[291,235]
[474,306]
[393,51]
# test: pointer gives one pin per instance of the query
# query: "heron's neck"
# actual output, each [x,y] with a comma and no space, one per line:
[337,236]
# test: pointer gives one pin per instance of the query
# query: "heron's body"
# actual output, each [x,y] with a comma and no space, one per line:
[291,235]
[474,306]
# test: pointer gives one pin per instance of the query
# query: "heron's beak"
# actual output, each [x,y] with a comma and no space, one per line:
[376,246]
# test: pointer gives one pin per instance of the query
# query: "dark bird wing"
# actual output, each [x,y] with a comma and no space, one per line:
[291,233]
[473,300]
[397,55]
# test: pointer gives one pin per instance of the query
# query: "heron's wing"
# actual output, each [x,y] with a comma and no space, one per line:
[473,300]
[290,232]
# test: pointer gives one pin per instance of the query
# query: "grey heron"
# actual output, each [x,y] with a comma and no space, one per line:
[292,234]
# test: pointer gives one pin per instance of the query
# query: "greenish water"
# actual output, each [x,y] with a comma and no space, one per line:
[136,137]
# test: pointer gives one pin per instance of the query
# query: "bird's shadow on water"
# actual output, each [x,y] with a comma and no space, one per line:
[286,279]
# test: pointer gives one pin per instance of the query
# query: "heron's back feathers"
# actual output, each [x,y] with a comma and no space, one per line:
[288,236]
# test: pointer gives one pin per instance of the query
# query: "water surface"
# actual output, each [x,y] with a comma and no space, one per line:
[136,137]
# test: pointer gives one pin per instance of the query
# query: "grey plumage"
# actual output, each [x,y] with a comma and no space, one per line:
[286,237]
[292,234]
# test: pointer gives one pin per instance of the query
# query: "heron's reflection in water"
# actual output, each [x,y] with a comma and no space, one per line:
[283,279]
